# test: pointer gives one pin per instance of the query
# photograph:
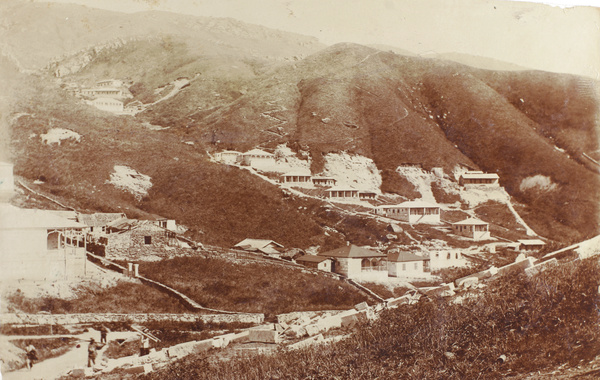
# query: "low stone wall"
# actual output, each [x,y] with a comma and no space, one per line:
[68,319]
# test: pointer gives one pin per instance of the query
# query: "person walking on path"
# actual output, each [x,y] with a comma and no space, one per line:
[92,353]
[30,355]
[144,346]
[103,334]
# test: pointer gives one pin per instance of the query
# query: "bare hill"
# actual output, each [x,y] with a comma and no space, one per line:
[36,33]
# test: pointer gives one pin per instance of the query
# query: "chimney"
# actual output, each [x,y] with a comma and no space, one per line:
[7,182]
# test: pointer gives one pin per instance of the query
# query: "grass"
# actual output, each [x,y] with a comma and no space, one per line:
[252,287]
[537,323]
[125,297]
[385,291]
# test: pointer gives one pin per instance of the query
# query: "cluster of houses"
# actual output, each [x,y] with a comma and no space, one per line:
[108,95]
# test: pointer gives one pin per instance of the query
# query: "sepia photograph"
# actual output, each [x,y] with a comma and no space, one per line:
[299,189]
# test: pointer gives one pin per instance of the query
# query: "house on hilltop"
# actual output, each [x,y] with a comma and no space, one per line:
[316,262]
[40,245]
[478,179]
[413,212]
[341,193]
[229,157]
[472,228]
[324,181]
[108,104]
[530,244]
[357,262]
[297,179]
[258,159]
[110,83]
[406,264]
[259,245]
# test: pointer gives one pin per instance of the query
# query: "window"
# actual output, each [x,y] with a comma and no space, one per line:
[416,266]
[403,266]
[147,239]
[449,256]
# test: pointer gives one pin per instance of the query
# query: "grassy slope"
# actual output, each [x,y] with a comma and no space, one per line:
[252,287]
[537,323]
[125,297]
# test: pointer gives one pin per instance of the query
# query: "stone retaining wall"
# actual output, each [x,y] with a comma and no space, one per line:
[67,319]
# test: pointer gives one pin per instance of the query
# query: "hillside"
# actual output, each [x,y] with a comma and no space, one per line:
[393,109]
[36,33]
[400,110]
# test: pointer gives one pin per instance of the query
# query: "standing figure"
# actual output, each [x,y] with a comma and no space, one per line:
[144,346]
[92,352]
[31,355]
[103,333]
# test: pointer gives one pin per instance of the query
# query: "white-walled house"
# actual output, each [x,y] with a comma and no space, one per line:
[108,104]
[447,258]
[258,159]
[39,245]
[478,179]
[413,212]
[472,228]
[367,194]
[316,262]
[229,157]
[297,179]
[324,181]
[341,193]
[357,262]
[406,264]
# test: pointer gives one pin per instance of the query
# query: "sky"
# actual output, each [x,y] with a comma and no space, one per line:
[524,33]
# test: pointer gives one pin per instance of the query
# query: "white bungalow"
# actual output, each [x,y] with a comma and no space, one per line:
[406,264]
[473,228]
[530,244]
[478,179]
[300,179]
[446,258]
[341,193]
[38,245]
[257,158]
[109,83]
[357,262]
[108,104]
[413,212]
[229,157]
[324,181]
[367,194]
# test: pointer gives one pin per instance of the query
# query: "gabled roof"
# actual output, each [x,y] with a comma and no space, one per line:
[401,257]
[417,204]
[131,224]
[258,152]
[479,174]
[471,222]
[99,218]
[312,259]
[351,251]
[298,173]
[256,243]
[340,188]
[12,217]
[531,242]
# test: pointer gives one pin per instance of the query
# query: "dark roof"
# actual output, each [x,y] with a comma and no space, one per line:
[400,257]
[351,251]
[312,258]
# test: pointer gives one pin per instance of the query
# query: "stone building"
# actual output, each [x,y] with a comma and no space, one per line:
[357,262]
